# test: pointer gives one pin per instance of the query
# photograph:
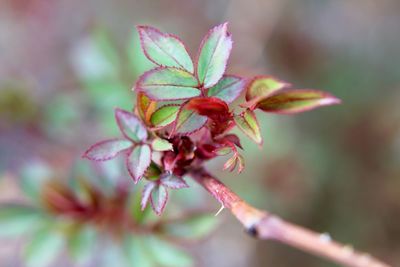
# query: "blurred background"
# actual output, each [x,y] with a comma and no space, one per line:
[65,65]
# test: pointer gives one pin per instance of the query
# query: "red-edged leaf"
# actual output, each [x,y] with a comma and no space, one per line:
[263,86]
[165,115]
[295,101]
[164,49]
[146,193]
[145,107]
[159,198]
[163,84]
[172,181]
[213,55]
[228,88]
[231,163]
[247,122]
[188,121]
[208,106]
[107,149]
[138,161]
[260,87]
[130,125]
[230,139]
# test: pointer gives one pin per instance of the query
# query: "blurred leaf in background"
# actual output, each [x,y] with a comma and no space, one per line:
[96,219]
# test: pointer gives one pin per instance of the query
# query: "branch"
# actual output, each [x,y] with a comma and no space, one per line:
[264,225]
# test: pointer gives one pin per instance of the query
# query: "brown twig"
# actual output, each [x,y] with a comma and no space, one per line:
[264,225]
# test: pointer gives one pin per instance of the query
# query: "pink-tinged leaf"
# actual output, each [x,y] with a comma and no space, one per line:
[164,49]
[230,139]
[228,88]
[247,122]
[188,122]
[138,161]
[296,101]
[165,115]
[208,106]
[261,87]
[241,163]
[107,149]
[172,181]
[159,198]
[146,193]
[130,125]
[162,84]
[213,55]
[231,163]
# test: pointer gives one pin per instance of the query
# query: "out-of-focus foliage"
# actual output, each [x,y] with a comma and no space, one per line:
[95,220]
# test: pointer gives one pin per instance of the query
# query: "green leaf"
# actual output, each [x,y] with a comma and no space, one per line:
[160,144]
[138,161]
[81,244]
[163,84]
[247,122]
[296,101]
[165,115]
[164,49]
[167,255]
[188,122]
[137,251]
[44,247]
[33,176]
[16,219]
[213,55]
[191,228]
[159,198]
[228,88]
[263,86]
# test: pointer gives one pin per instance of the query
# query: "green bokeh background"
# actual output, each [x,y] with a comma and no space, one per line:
[65,65]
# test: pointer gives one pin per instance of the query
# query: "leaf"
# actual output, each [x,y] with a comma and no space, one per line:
[247,122]
[231,163]
[130,125]
[146,194]
[213,55]
[165,115]
[33,175]
[263,86]
[16,219]
[188,122]
[166,254]
[160,144]
[158,198]
[81,244]
[137,251]
[138,161]
[164,49]
[228,88]
[163,84]
[108,149]
[208,106]
[44,247]
[172,181]
[192,227]
[295,101]
[146,107]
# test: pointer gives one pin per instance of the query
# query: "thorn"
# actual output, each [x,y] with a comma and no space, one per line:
[325,238]
[219,211]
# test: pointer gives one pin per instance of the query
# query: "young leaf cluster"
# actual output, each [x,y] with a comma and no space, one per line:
[184,112]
